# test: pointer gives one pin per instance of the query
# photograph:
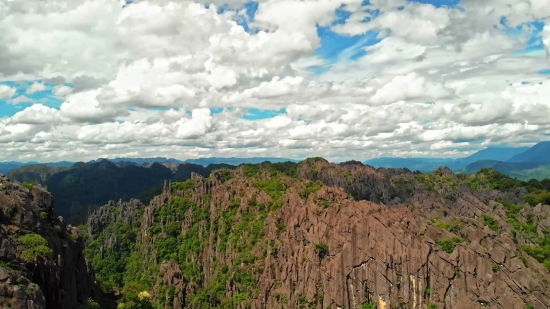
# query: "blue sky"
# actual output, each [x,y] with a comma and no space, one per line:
[334,48]
[346,104]
[44,97]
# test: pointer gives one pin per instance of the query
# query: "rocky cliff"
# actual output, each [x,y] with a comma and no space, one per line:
[320,235]
[41,259]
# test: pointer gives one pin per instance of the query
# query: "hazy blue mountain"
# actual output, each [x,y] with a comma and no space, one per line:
[520,170]
[429,164]
[421,164]
[140,160]
[5,167]
[540,153]
[496,154]
[237,161]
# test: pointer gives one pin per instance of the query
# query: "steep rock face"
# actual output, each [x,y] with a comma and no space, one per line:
[41,259]
[256,238]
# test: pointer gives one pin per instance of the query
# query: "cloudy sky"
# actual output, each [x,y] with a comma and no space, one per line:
[342,79]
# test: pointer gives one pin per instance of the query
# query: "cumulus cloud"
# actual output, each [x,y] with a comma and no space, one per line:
[546,40]
[409,87]
[61,90]
[35,87]
[84,107]
[7,92]
[418,22]
[36,114]
[198,125]
[20,99]
[175,78]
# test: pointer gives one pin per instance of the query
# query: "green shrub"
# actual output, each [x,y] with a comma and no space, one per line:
[321,249]
[448,244]
[432,306]
[454,225]
[29,185]
[251,170]
[274,187]
[490,222]
[36,246]
[309,188]
[495,267]
[541,250]
[369,305]
[89,304]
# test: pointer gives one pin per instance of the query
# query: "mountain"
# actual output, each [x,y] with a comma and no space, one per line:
[237,161]
[5,167]
[320,235]
[540,153]
[520,170]
[35,173]
[426,165]
[139,161]
[87,185]
[496,154]
[42,265]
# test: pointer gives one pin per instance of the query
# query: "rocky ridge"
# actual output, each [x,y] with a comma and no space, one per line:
[320,235]
[42,265]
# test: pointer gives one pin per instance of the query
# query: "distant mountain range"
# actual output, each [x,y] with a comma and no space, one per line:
[140,160]
[238,161]
[521,162]
[540,153]
[5,167]
[80,186]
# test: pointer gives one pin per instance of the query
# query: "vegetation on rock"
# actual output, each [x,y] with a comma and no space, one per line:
[230,240]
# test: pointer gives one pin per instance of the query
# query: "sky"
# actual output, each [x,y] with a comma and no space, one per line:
[342,79]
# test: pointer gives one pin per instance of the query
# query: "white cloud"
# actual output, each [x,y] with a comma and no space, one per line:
[36,114]
[61,90]
[20,99]
[199,124]
[145,79]
[411,86]
[35,87]
[546,40]
[418,22]
[7,92]
[278,122]
[84,107]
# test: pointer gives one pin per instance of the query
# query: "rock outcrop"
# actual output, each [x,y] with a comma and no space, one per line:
[320,235]
[42,264]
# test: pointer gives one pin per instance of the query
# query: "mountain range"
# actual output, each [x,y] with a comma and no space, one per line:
[5,167]
[528,161]
[311,234]
[522,162]
[82,187]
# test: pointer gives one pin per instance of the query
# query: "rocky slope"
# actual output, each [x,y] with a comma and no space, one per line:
[41,259]
[320,235]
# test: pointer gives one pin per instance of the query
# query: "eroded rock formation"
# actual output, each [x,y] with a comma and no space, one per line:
[42,264]
[333,236]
